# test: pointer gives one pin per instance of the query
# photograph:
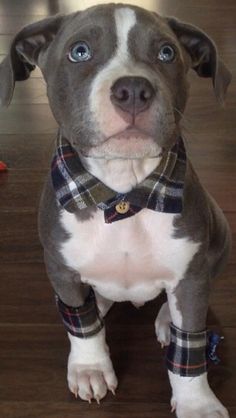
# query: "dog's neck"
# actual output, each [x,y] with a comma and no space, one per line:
[121,175]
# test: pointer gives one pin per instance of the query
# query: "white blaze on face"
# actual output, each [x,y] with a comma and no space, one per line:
[125,173]
[119,65]
[125,21]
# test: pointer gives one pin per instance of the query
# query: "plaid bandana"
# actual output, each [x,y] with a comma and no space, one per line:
[186,354]
[161,191]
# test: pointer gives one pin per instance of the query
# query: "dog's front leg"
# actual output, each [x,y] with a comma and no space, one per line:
[186,355]
[90,371]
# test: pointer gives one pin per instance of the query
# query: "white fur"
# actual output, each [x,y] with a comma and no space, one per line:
[90,372]
[133,259]
[120,65]
[103,304]
[175,313]
[129,260]
[99,99]
[193,398]
[88,351]
[121,175]
[162,325]
[124,172]
[125,21]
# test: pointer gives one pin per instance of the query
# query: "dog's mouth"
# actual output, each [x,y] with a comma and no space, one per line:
[131,134]
[132,143]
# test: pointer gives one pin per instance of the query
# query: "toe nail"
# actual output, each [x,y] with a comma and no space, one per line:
[89,399]
[75,393]
[173,407]
[112,389]
[98,400]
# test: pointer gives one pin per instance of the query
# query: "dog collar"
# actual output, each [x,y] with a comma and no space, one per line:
[77,189]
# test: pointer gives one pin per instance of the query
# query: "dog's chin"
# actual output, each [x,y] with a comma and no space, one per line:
[125,145]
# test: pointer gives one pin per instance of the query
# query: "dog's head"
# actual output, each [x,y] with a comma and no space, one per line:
[116,76]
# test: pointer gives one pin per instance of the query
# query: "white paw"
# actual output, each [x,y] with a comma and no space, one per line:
[90,371]
[199,408]
[162,325]
[91,381]
[193,398]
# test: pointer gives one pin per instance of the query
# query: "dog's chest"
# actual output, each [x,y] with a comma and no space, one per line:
[132,259]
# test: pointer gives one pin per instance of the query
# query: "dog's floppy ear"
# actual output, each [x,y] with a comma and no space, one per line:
[204,56]
[24,54]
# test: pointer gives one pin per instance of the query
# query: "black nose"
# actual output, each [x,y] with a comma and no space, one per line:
[132,94]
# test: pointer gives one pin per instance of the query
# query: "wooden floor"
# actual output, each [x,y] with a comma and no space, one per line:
[33,345]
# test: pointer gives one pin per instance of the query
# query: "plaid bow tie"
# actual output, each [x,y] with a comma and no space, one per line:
[77,189]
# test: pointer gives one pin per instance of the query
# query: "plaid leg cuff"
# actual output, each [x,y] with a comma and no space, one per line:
[186,355]
[82,322]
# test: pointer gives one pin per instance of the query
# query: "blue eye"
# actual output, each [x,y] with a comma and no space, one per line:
[166,53]
[80,52]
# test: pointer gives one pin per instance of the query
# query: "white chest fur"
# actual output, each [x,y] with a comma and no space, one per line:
[132,259]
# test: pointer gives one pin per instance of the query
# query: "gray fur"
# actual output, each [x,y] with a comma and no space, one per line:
[46,44]
[66,282]
[201,221]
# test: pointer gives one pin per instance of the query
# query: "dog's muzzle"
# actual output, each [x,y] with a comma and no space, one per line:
[132,94]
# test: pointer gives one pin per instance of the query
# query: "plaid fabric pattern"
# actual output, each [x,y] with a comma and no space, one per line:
[82,322]
[161,191]
[111,215]
[186,354]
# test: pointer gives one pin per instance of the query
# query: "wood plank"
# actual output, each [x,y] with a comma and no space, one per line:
[26,152]
[41,355]
[73,409]
[25,8]
[20,242]
[32,281]
[34,74]
[5,43]
[31,91]
[11,25]
[27,119]
[25,198]
[33,343]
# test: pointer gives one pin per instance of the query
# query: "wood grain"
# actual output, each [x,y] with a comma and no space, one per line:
[33,344]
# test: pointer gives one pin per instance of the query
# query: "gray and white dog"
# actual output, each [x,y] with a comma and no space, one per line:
[123,215]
